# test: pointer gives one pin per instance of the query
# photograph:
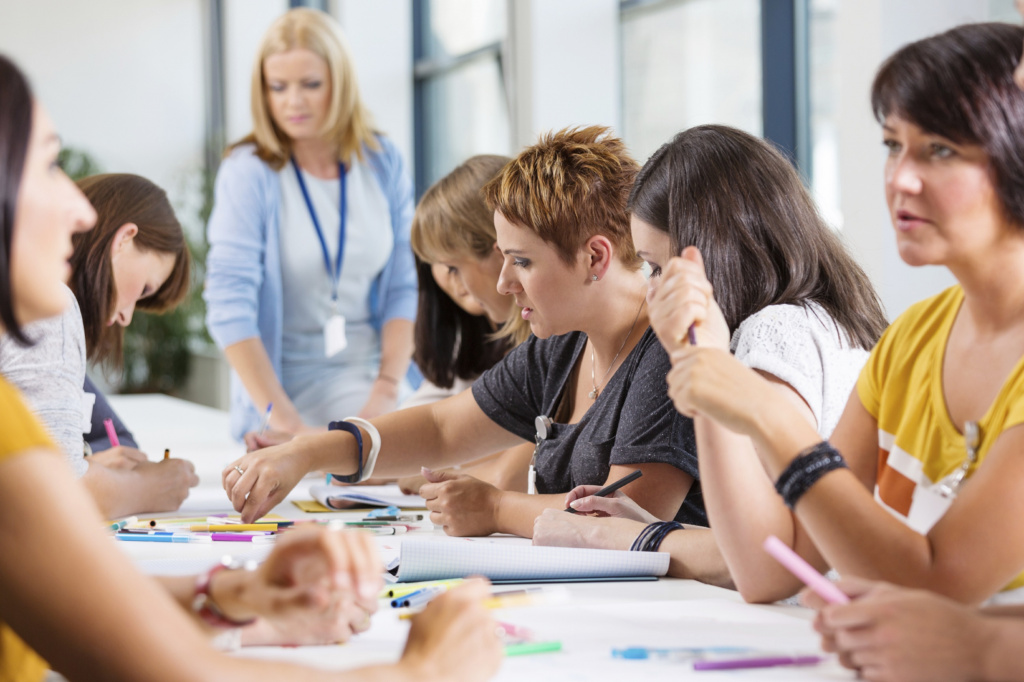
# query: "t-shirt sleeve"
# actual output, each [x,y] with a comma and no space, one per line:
[650,428]
[871,381]
[778,340]
[20,431]
[97,437]
[49,374]
[511,393]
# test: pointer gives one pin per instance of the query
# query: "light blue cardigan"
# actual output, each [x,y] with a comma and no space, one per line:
[244,292]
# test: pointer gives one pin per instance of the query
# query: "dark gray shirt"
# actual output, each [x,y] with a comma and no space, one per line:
[632,421]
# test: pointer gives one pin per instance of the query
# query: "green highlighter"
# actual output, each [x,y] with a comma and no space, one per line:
[526,648]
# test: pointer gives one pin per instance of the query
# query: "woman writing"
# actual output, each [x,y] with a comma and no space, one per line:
[592,374]
[310,285]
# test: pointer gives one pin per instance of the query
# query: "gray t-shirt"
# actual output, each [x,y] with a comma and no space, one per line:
[633,421]
[50,375]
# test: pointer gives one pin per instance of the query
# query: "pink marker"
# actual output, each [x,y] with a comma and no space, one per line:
[111,433]
[821,585]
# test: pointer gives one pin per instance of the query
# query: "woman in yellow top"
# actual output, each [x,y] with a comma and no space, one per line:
[921,484]
[56,565]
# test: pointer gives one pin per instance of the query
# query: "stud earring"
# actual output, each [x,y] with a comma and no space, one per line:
[593,277]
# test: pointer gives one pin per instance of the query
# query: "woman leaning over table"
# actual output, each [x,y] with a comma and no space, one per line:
[134,256]
[315,585]
[790,303]
[921,483]
[464,325]
[592,369]
[311,287]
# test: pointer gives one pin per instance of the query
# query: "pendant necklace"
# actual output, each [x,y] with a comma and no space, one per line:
[593,363]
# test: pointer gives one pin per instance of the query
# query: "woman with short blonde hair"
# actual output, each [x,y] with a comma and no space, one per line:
[311,284]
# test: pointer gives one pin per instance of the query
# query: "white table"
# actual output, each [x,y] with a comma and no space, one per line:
[598,617]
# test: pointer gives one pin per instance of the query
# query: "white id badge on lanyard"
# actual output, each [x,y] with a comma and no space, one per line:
[928,506]
[335,340]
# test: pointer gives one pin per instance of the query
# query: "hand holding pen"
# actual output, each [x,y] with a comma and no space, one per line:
[681,302]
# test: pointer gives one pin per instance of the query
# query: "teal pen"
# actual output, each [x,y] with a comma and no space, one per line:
[134,537]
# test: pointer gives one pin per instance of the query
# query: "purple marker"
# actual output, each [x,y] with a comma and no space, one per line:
[757,662]
[236,537]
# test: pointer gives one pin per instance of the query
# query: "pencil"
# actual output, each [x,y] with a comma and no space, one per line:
[612,487]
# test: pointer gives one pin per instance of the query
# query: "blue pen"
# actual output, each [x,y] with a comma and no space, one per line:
[419,597]
[266,418]
[640,653]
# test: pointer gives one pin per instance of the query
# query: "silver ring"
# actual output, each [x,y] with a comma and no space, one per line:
[239,469]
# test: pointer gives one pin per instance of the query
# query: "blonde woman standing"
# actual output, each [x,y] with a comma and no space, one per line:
[311,286]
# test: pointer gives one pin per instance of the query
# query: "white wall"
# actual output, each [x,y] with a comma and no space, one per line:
[869,31]
[123,80]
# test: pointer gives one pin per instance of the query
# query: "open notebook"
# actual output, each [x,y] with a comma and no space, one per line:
[443,559]
[352,497]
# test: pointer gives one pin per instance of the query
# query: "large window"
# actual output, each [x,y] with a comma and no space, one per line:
[688,62]
[824,109]
[461,103]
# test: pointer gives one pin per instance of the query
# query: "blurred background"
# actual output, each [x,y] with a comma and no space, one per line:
[159,87]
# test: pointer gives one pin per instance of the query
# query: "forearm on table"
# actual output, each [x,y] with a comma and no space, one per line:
[116,492]
[517,511]
[694,555]
[250,361]
[743,509]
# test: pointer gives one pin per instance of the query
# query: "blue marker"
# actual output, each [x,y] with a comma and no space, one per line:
[640,653]
[133,537]
[419,597]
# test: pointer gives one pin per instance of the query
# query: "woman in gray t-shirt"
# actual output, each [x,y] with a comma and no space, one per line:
[593,368]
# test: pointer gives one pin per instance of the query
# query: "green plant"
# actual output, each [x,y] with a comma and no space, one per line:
[158,349]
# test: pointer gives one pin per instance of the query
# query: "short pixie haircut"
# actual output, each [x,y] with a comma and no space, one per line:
[959,84]
[569,187]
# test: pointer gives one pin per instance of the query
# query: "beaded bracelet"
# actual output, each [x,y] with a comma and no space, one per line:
[805,470]
[651,537]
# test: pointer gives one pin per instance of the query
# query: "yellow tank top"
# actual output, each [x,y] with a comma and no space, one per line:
[20,432]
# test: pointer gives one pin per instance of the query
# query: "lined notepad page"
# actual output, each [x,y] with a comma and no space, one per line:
[440,560]
[352,497]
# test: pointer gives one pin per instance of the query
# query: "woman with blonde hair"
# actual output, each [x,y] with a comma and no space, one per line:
[311,288]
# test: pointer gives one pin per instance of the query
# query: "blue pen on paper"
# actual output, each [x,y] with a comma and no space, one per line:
[763,661]
[265,422]
[642,653]
[419,597]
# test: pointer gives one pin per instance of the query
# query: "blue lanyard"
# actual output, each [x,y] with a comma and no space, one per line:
[335,272]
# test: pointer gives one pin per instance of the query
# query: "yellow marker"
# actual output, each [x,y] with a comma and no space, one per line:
[497,602]
[228,527]
[396,591]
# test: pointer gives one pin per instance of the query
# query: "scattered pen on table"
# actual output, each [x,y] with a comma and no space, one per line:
[111,433]
[118,525]
[609,489]
[525,648]
[265,422]
[766,661]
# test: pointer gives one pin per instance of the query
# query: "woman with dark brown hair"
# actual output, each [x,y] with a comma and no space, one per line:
[785,299]
[136,256]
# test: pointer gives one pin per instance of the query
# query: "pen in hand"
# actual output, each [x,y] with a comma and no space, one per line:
[612,487]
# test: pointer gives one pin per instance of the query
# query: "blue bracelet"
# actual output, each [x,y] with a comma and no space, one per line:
[354,430]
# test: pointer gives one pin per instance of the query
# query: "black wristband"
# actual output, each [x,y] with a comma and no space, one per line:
[354,430]
[651,537]
[805,470]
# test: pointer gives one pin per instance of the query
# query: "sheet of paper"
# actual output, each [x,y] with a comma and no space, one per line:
[340,497]
[442,559]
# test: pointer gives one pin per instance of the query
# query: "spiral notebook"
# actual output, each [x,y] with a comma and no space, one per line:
[421,560]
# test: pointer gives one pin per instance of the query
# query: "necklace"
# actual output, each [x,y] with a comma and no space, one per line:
[593,363]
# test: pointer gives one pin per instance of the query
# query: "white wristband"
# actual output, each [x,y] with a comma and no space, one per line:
[374,434]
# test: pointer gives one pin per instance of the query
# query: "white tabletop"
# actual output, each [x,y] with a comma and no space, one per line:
[597,618]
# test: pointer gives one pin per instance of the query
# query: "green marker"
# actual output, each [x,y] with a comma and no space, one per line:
[527,648]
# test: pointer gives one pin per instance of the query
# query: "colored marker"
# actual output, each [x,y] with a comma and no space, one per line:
[133,537]
[111,433]
[230,527]
[265,422]
[167,453]
[419,597]
[804,571]
[118,525]
[526,648]
[640,653]
[612,487]
[238,537]
[757,662]
[691,334]
[409,588]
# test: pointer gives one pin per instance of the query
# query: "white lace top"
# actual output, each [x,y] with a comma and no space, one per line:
[806,349]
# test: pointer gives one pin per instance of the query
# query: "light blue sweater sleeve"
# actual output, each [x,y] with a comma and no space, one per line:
[237,236]
[400,288]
